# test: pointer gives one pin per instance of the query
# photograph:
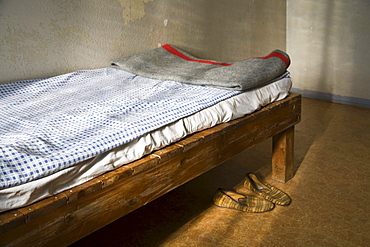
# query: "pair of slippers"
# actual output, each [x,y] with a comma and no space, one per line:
[252,204]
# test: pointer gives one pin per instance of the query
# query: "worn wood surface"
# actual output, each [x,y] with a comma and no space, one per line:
[75,213]
[283,155]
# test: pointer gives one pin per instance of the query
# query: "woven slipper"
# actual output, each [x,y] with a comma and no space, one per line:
[265,190]
[234,200]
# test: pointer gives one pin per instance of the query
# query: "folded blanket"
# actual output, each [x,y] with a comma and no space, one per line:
[170,63]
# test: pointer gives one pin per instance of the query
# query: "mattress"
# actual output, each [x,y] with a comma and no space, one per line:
[213,106]
[224,111]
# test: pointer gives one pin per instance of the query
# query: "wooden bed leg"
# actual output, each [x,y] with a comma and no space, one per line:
[283,155]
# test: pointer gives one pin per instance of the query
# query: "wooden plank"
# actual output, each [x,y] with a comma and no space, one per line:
[283,155]
[75,213]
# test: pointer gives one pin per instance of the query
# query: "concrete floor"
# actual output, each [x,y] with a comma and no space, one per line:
[330,194]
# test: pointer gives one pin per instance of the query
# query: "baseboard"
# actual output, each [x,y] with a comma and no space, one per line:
[361,102]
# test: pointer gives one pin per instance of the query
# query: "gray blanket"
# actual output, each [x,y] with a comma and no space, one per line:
[170,63]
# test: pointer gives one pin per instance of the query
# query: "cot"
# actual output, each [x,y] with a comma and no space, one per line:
[72,214]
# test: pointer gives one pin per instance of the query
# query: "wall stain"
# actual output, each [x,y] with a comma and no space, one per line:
[133,9]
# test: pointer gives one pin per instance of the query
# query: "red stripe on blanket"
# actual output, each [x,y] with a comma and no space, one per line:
[278,55]
[175,52]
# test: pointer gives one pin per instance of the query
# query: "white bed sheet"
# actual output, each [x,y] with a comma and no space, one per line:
[229,109]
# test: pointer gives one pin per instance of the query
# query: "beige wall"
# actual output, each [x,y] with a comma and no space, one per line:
[329,43]
[46,38]
[328,40]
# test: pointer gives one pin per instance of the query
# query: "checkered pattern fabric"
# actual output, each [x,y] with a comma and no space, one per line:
[47,125]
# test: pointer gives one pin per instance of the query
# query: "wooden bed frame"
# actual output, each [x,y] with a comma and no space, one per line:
[69,216]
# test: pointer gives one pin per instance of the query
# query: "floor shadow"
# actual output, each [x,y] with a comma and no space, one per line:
[312,129]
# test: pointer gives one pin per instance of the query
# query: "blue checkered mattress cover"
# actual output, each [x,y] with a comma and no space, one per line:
[47,125]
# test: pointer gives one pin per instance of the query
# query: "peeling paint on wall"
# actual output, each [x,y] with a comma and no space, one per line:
[44,38]
[133,9]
